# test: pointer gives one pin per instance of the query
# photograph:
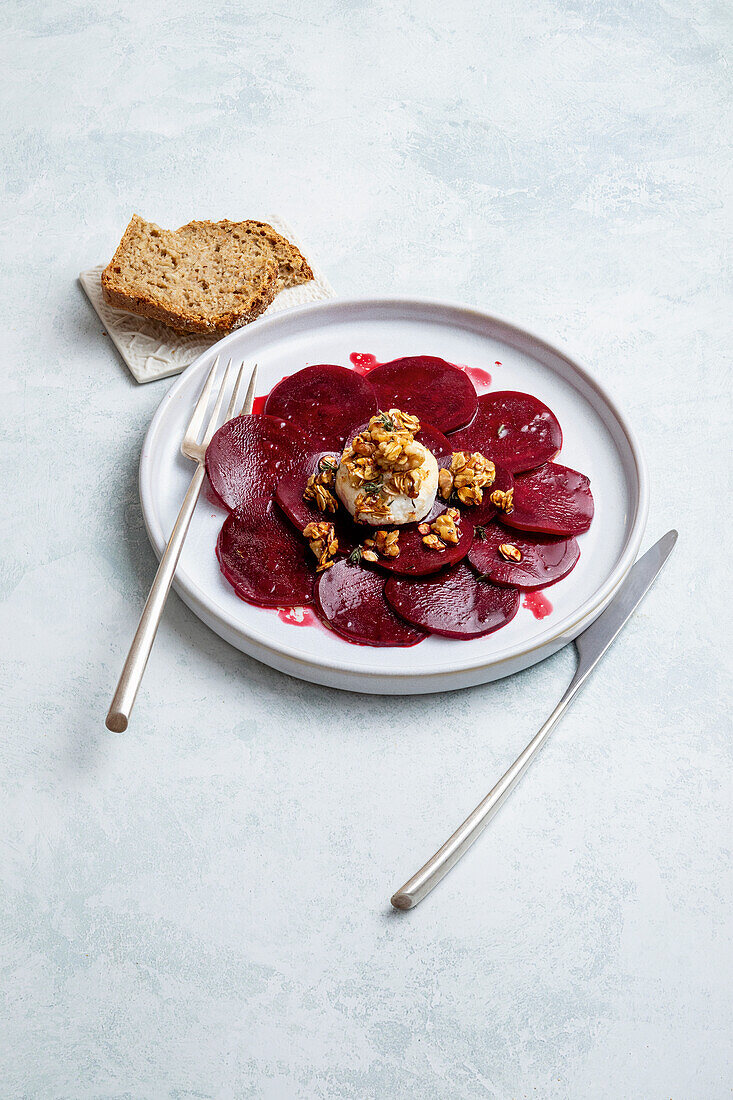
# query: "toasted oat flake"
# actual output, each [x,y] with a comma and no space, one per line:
[432,542]
[510,552]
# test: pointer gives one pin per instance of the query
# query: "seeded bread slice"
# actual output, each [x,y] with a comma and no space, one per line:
[203,277]
[293,268]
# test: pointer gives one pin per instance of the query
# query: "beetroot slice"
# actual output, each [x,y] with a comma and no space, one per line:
[455,604]
[248,455]
[513,429]
[426,387]
[545,559]
[434,441]
[350,599]
[415,560]
[265,562]
[324,402]
[554,500]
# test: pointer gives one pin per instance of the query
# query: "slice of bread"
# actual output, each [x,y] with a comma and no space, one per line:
[203,277]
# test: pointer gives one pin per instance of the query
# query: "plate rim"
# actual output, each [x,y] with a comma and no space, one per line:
[561,632]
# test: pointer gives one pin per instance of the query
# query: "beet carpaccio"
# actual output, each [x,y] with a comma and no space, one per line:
[397,504]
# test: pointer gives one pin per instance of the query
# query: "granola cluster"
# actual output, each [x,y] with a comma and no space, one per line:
[385,461]
[318,487]
[467,477]
[323,543]
[441,531]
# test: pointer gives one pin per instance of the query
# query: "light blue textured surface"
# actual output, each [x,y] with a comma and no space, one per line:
[199,908]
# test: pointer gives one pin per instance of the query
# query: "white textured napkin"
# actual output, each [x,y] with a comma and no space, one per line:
[152,350]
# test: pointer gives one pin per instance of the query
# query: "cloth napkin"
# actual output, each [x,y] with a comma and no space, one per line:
[152,350]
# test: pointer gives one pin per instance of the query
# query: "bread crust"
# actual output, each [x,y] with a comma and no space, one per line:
[278,264]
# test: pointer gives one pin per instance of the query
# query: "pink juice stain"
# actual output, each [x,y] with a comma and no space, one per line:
[362,362]
[297,616]
[538,604]
[478,376]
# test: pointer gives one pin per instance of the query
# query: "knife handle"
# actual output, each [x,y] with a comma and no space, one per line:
[590,645]
[446,857]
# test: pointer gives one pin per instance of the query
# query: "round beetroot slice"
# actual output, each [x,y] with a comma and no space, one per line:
[434,441]
[513,429]
[426,387]
[553,500]
[350,599]
[545,559]
[415,560]
[264,560]
[455,604]
[249,455]
[324,402]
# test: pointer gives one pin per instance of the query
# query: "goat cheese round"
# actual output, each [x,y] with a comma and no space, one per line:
[391,507]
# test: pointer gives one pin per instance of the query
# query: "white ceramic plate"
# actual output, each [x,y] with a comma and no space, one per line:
[597,440]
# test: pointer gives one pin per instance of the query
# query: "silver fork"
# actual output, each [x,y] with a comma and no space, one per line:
[142,643]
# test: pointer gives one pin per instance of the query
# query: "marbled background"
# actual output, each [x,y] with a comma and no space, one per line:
[199,908]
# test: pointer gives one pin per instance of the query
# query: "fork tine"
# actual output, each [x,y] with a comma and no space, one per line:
[235,394]
[250,395]
[197,416]
[214,418]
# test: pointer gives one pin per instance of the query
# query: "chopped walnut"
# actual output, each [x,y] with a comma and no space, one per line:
[445,527]
[469,495]
[424,528]
[510,552]
[432,542]
[385,543]
[445,483]
[504,501]
[323,542]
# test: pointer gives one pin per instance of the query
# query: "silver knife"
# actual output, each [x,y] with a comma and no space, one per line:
[591,645]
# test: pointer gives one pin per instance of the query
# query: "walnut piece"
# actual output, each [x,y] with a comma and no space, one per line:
[504,501]
[432,542]
[385,543]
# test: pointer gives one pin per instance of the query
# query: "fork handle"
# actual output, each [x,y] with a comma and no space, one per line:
[142,643]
